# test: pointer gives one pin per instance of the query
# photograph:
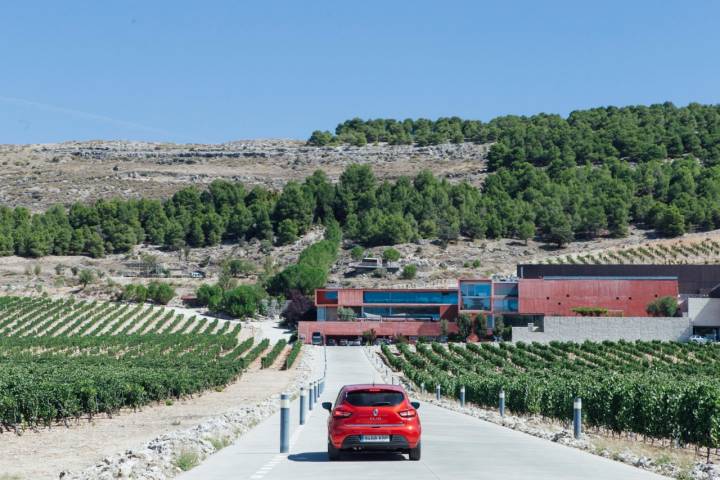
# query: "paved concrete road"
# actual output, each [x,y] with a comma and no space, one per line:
[455,447]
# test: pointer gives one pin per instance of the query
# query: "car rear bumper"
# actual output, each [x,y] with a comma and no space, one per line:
[400,438]
[397,442]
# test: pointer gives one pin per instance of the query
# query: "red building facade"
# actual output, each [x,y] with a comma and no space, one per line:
[418,312]
[627,297]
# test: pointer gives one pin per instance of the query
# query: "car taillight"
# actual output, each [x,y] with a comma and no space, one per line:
[408,413]
[341,413]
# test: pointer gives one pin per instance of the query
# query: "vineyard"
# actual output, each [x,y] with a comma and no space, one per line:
[662,391]
[705,251]
[62,360]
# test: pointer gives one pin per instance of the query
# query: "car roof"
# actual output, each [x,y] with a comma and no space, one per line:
[366,386]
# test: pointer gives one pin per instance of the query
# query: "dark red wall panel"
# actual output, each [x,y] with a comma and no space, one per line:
[559,297]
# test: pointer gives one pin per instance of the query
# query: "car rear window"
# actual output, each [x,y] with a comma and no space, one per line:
[367,398]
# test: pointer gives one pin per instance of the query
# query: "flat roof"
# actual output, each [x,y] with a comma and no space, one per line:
[389,289]
[601,277]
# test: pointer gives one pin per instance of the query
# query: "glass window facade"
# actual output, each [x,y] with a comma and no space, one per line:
[509,289]
[475,289]
[475,303]
[476,295]
[420,313]
[505,304]
[436,297]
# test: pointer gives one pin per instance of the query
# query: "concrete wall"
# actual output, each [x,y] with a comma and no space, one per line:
[705,312]
[579,329]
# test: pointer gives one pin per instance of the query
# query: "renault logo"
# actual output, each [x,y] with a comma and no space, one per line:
[375,412]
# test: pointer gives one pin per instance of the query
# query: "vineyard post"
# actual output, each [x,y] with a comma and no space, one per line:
[284,423]
[462,396]
[502,403]
[437,391]
[303,396]
[577,418]
[311,400]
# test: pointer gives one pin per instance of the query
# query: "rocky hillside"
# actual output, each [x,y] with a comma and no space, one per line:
[38,175]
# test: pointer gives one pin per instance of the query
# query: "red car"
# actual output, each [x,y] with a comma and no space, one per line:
[373,418]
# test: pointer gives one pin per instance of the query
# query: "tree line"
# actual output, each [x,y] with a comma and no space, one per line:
[294,282]
[593,136]
[556,204]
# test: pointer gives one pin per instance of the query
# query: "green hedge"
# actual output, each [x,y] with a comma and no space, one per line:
[269,359]
[292,356]
[255,352]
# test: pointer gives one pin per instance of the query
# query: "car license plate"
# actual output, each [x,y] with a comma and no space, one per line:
[374,438]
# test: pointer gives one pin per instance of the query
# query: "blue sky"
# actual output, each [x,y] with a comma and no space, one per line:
[217,71]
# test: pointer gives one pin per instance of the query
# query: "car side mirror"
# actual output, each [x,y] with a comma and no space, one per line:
[327,406]
[415,405]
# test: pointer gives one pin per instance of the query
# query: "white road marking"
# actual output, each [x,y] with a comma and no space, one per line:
[260,473]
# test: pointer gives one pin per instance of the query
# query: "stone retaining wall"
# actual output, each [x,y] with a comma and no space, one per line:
[579,329]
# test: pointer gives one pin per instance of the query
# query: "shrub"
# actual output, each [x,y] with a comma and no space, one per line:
[219,443]
[391,255]
[409,272]
[464,323]
[369,336]
[209,296]
[242,301]
[160,292]
[345,314]
[187,460]
[300,308]
[85,277]
[499,326]
[590,311]
[481,325]
[238,267]
[444,327]
[357,253]
[663,307]
[134,293]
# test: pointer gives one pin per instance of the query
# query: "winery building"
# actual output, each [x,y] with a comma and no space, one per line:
[545,302]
